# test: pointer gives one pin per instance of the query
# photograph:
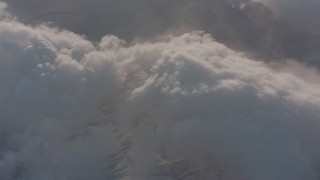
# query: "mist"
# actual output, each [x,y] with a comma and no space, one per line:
[179,103]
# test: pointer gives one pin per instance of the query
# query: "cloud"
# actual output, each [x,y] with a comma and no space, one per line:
[273,32]
[3,12]
[180,107]
[302,14]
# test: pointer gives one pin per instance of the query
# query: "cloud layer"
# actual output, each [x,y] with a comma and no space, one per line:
[181,107]
[273,32]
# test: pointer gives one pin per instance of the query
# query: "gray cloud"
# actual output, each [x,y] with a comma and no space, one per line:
[251,27]
[180,107]
[297,12]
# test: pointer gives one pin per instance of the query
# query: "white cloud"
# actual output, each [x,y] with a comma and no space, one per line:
[70,109]
[3,8]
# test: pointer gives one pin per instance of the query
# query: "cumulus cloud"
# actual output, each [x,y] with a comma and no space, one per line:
[182,107]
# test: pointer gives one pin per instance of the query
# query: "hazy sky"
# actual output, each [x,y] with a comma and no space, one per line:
[159,90]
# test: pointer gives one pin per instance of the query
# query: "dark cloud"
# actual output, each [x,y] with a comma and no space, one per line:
[300,13]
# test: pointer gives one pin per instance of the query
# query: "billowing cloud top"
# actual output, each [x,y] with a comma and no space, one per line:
[181,107]
[266,29]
